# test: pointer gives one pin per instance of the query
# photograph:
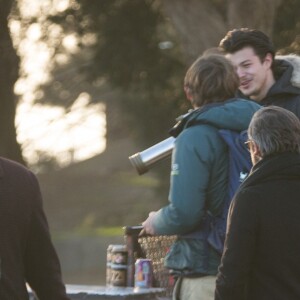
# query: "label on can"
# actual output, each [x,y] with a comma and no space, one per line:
[143,276]
[119,254]
[118,266]
[118,275]
[108,265]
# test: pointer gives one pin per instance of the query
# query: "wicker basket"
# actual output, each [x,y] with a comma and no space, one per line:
[154,248]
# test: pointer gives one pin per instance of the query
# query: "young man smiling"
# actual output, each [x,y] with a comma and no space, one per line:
[264,78]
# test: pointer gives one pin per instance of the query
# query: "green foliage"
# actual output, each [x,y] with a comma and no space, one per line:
[128,51]
[287,27]
[128,56]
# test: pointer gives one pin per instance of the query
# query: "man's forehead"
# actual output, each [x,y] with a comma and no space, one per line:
[241,56]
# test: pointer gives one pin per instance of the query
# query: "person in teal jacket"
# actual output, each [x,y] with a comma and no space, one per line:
[199,173]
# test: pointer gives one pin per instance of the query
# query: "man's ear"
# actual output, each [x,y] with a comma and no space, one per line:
[268,60]
[188,94]
[256,150]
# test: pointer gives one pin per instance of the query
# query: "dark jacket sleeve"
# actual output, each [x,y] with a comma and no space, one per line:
[42,267]
[239,248]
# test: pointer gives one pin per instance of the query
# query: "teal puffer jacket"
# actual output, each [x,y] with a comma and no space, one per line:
[199,182]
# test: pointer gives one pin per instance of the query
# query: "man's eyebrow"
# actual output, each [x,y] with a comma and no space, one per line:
[245,61]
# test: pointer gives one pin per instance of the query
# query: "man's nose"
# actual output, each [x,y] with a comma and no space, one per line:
[240,72]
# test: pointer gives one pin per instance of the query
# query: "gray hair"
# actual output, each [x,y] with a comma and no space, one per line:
[275,130]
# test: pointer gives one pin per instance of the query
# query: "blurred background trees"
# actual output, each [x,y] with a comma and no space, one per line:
[129,57]
[9,66]
[134,54]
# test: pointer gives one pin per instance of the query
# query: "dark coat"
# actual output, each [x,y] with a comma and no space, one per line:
[26,250]
[286,91]
[261,259]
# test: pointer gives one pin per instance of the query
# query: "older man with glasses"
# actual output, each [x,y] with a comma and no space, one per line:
[261,258]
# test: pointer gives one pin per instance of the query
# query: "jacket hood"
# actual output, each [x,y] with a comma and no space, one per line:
[294,61]
[234,114]
[287,74]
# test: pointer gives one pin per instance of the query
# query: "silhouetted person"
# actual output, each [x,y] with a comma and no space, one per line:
[26,251]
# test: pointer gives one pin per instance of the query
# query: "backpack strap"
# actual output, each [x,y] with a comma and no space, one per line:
[239,168]
[213,228]
[239,158]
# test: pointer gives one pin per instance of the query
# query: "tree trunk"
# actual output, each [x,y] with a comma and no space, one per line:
[201,24]
[9,66]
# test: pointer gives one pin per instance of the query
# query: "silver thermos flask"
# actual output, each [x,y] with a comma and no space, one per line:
[143,161]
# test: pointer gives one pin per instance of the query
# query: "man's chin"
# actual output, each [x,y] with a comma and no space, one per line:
[245,92]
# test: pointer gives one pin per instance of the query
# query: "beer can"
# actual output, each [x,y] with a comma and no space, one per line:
[108,264]
[143,276]
[119,257]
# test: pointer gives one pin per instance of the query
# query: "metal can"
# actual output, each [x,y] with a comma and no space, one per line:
[119,257]
[143,277]
[108,264]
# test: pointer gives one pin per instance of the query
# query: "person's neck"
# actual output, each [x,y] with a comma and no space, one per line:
[270,80]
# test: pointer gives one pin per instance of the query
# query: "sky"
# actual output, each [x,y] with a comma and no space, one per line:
[68,137]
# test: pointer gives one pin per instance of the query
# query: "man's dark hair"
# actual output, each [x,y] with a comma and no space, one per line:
[238,39]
